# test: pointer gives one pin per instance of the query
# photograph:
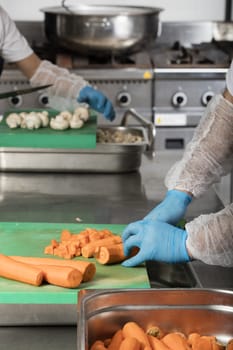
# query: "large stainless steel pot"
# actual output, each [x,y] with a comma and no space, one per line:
[100,29]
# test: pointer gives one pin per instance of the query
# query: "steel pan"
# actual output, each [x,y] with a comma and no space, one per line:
[101,29]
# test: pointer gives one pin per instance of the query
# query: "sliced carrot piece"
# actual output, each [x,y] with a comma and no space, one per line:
[89,249]
[110,255]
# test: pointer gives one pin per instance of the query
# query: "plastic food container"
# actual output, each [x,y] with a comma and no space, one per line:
[102,312]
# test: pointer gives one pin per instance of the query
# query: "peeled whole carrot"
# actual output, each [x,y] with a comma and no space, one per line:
[176,341]
[206,343]
[62,276]
[130,343]
[230,345]
[20,271]
[193,338]
[132,329]
[88,250]
[87,268]
[98,345]
[116,340]
[157,344]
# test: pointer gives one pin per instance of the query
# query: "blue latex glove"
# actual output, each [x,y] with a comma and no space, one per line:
[156,241]
[171,209]
[96,100]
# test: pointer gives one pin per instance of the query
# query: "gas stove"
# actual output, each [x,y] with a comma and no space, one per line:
[204,55]
[170,83]
[185,80]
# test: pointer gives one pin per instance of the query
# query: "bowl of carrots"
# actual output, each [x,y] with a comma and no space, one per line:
[155,319]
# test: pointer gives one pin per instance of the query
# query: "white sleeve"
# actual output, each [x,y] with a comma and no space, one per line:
[229,79]
[209,155]
[13,46]
[210,237]
[65,85]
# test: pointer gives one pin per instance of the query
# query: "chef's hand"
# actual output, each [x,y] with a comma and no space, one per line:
[156,241]
[96,100]
[171,209]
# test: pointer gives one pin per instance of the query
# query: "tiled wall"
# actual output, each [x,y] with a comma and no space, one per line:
[174,10]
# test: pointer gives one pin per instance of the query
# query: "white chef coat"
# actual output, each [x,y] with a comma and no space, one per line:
[13,46]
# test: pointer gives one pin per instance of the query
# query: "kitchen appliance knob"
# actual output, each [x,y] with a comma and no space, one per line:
[16,101]
[206,97]
[124,99]
[44,99]
[179,99]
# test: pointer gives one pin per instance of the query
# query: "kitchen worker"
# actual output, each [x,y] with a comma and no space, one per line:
[67,88]
[208,238]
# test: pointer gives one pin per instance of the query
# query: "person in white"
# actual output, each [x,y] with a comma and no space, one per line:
[70,87]
[209,156]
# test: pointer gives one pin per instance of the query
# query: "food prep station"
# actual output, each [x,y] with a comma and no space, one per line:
[115,184]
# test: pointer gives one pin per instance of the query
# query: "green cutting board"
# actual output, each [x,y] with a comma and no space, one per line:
[84,137]
[30,239]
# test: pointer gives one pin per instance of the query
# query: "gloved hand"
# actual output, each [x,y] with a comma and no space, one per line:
[156,241]
[96,100]
[171,209]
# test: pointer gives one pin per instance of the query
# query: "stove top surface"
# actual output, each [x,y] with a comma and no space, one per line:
[206,55]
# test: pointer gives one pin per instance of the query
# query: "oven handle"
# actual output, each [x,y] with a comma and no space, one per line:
[151,130]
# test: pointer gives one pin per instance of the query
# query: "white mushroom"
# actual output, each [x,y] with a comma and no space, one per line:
[13,120]
[44,119]
[76,122]
[45,113]
[82,112]
[59,123]
[22,117]
[32,121]
[67,115]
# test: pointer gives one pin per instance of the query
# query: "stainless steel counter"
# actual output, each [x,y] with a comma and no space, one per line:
[100,198]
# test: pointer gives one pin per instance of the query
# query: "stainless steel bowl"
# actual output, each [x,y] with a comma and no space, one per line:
[101,313]
[101,29]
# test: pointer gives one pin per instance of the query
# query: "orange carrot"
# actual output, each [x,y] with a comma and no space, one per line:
[132,329]
[110,255]
[116,340]
[66,235]
[230,345]
[20,271]
[98,345]
[87,268]
[204,342]
[193,338]
[62,276]
[89,249]
[157,344]
[176,341]
[130,343]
